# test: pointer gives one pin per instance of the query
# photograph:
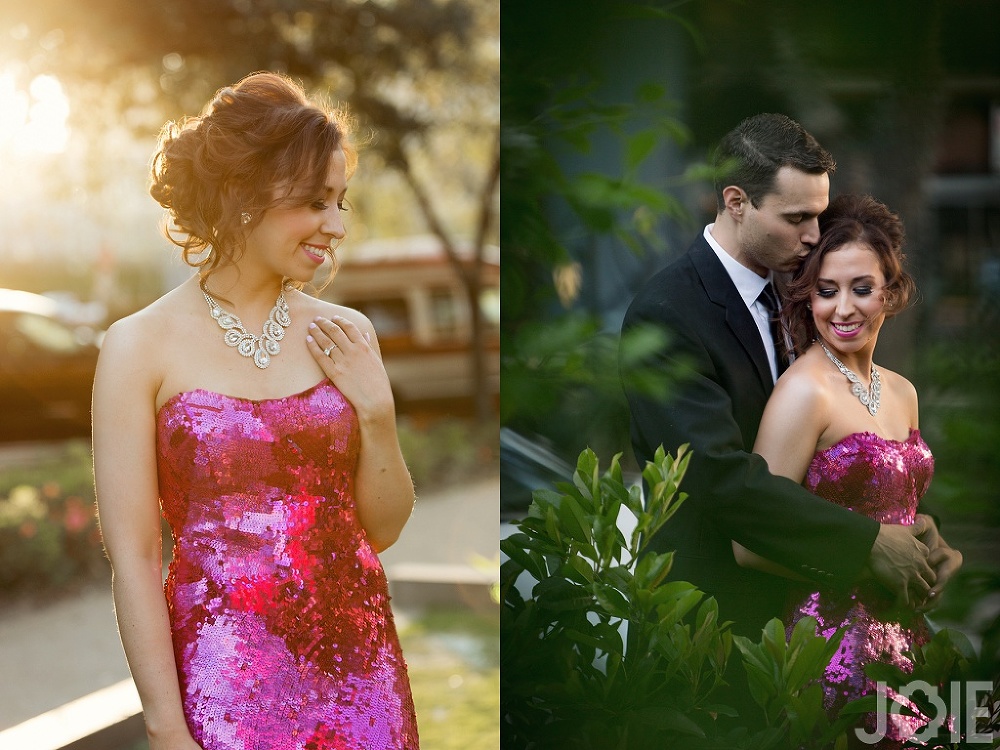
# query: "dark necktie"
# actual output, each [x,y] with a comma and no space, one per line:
[769,300]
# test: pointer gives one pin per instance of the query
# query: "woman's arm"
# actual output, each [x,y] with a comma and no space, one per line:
[128,504]
[790,429]
[383,487]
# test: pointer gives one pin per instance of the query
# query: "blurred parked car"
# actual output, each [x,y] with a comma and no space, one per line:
[527,464]
[412,294]
[46,370]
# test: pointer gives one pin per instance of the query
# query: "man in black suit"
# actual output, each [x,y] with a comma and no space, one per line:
[714,304]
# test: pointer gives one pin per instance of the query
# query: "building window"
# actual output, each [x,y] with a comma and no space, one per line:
[444,313]
[389,316]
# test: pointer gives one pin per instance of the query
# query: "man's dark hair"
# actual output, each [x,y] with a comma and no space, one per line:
[751,154]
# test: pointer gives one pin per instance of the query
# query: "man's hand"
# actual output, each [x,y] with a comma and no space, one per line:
[942,557]
[899,561]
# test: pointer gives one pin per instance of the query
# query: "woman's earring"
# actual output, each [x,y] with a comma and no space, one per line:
[245,217]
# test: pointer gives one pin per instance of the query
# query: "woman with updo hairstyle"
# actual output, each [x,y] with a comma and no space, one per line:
[847,430]
[849,218]
[259,421]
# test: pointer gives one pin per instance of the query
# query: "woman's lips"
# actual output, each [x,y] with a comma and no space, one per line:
[316,252]
[846,330]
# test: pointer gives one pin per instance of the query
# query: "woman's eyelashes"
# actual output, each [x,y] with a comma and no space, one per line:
[322,205]
[861,291]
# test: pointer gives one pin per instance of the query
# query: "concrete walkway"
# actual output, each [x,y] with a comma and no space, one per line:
[56,653]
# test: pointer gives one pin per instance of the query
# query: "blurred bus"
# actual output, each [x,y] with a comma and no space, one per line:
[413,296]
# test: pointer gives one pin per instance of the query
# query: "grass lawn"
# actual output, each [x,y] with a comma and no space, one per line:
[454,664]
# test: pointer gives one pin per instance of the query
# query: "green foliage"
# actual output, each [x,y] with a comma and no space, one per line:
[566,680]
[563,378]
[576,157]
[448,451]
[782,681]
[571,679]
[960,415]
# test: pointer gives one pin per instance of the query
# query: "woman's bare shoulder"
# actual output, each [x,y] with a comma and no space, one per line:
[135,345]
[806,380]
[319,307]
[150,322]
[895,380]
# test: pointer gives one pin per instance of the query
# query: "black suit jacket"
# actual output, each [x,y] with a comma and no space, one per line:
[717,409]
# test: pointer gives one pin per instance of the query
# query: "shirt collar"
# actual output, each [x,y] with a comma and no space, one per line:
[748,284]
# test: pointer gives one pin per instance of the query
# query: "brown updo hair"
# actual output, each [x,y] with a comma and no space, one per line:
[850,219]
[258,144]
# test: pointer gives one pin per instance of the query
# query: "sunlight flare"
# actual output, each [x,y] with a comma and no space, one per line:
[33,121]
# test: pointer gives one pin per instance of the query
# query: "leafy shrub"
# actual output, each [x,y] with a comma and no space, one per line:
[48,526]
[448,451]
[569,679]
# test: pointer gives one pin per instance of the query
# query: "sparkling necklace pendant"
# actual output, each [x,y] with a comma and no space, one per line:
[259,348]
[870,398]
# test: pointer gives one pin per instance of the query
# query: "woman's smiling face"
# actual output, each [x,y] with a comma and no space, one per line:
[294,240]
[848,303]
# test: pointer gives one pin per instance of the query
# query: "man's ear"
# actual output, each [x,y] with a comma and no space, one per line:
[735,201]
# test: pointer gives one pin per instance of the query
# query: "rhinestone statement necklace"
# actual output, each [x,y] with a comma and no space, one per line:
[870,397]
[262,347]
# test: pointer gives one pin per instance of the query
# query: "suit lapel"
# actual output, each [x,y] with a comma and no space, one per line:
[721,291]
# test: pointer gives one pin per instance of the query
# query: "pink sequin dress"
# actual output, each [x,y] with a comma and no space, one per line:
[279,607]
[883,479]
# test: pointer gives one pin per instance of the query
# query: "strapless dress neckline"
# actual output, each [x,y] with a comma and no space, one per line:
[182,395]
[914,436]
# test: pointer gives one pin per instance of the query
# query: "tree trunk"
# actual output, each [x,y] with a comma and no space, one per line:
[470,274]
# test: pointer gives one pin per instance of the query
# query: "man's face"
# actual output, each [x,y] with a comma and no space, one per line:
[778,235]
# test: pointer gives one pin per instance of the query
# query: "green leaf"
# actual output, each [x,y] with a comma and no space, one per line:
[671,720]
[586,477]
[652,568]
[639,147]
[774,639]
[532,562]
[808,660]
[572,520]
[614,473]
[863,705]
[585,638]
[611,638]
[560,595]
[677,609]
[577,570]
[552,525]
[650,92]
[618,576]
[611,600]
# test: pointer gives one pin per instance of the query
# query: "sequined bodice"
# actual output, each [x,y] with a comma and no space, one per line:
[884,480]
[877,477]
[279,605]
